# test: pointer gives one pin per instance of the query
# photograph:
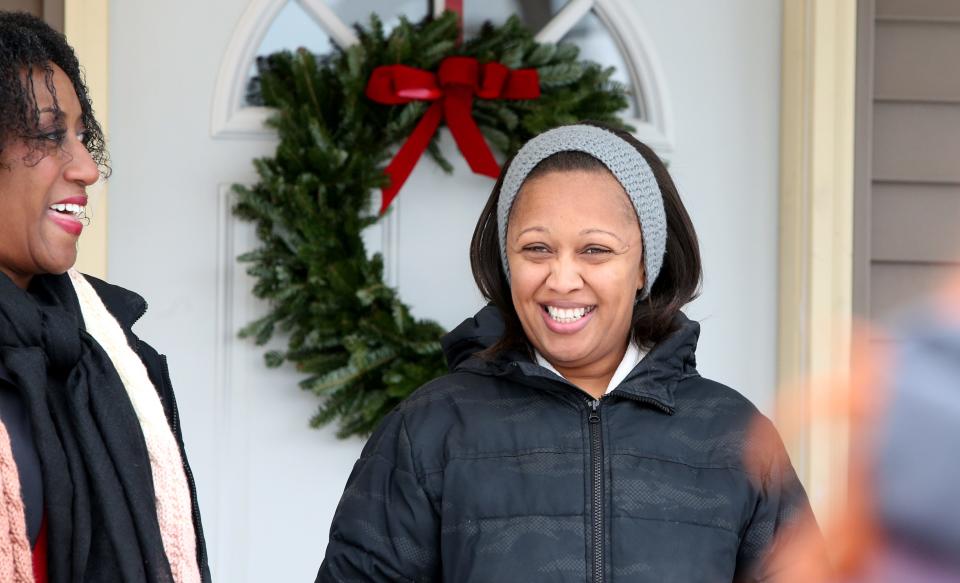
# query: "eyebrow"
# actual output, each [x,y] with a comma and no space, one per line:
[595,230]
[590,231]
[58,113]
[528,229]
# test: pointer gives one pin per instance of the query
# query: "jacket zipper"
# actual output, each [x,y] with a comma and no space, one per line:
[596,461]
[647,401]
[201,546]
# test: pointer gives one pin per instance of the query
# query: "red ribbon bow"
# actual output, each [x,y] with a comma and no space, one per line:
[452,89]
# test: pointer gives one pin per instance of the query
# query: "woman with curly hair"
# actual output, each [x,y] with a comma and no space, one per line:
[94,480]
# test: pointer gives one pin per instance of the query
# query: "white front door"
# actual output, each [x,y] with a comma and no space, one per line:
[180,136]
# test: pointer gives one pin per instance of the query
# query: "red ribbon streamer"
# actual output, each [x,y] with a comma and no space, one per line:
[456,6]
[452,90]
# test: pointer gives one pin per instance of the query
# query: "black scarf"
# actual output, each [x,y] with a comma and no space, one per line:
[98,489]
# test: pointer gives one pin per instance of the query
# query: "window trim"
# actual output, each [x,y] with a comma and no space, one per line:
[232,119]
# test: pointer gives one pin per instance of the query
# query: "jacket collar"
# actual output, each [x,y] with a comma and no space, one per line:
[652,381]
[124,305]
[669,361]
[55,289]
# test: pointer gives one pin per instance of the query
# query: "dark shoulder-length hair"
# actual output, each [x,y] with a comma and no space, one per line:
[653,317]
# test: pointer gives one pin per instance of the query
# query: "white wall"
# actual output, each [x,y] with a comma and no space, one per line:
[268,483]
[722,66]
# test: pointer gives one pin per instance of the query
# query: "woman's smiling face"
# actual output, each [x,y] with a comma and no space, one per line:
[42,184]
[575,253]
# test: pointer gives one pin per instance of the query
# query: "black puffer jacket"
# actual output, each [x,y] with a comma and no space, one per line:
[503,471]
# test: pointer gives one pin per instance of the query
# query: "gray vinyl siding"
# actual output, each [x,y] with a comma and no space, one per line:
[34,7]
[908,152]
[49,10]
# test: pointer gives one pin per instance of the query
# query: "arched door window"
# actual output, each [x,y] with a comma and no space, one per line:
[296,25]
[588,33]
[606,31]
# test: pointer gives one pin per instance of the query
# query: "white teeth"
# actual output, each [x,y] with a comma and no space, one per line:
[75,209]
[566,316]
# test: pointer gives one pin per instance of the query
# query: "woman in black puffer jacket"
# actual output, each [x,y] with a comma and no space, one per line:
[574,439]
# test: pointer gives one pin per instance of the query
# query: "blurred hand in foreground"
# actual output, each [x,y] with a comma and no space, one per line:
[897,516]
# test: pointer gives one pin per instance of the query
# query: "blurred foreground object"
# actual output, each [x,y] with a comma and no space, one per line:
[916,473]
[900,517]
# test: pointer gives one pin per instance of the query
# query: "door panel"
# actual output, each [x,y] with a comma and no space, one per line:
[269,484]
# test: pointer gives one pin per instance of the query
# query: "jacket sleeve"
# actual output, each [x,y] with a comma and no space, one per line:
[782,541]
[386,527]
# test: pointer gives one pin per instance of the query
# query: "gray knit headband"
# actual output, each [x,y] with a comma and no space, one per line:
[623,160]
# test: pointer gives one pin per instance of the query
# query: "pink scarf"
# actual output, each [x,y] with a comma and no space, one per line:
[16,560]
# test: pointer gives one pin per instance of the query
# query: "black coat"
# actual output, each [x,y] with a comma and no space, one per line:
[127,308]
[503,471]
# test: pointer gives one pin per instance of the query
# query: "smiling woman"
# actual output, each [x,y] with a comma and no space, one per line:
[46,171]
[575,270]
[574,439]
[93,474]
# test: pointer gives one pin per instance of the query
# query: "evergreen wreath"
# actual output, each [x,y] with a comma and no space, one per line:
[351,335]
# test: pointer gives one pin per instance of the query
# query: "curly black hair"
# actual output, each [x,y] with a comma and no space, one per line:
[27,45]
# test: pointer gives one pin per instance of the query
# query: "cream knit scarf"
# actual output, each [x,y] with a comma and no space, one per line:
[169,480]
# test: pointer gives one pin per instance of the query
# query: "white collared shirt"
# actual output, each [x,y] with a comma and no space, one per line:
[631,358]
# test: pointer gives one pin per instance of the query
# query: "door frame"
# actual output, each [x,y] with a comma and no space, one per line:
[817,232]
[86,25]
